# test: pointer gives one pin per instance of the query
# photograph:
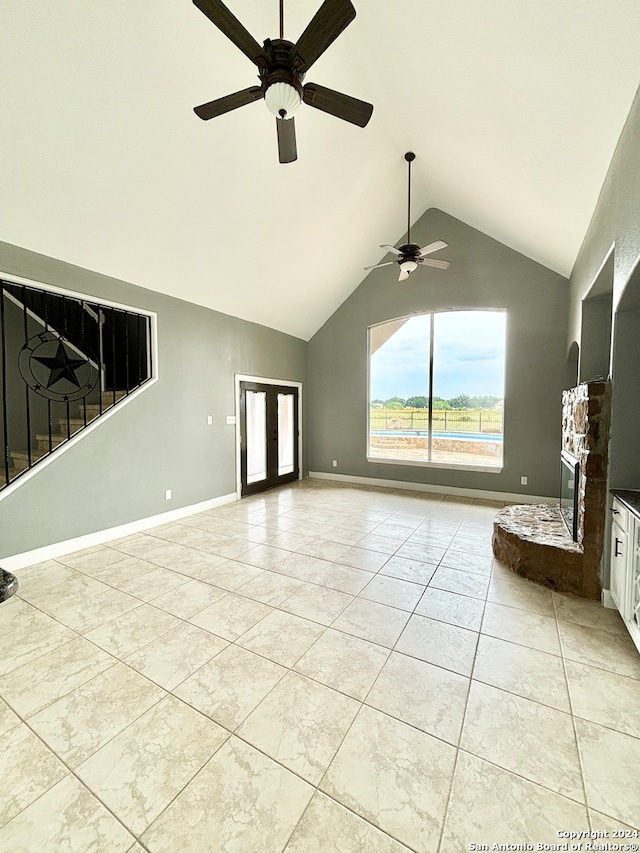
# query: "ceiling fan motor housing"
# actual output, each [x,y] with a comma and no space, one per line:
[409,252]
[279,68]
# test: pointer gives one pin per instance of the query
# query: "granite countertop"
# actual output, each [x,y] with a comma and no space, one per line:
[630,498]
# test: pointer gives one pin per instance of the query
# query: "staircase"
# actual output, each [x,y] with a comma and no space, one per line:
[67,428]
[56,352]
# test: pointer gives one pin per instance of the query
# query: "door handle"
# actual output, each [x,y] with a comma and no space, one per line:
[616,552]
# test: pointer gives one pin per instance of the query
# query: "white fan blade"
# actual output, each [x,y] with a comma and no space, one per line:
[433,247]
[404,275]
[391,249]
[432,262]
[375,266]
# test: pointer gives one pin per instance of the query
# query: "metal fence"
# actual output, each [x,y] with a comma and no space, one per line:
[477,421]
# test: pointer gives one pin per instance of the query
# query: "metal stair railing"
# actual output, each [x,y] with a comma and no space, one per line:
[64,361]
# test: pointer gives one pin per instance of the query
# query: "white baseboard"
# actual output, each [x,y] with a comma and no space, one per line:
[479,494]
[59,549]
[607,600]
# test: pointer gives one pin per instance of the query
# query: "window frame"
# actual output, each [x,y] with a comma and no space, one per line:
[419,463]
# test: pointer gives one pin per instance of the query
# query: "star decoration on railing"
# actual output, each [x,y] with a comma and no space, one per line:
[57,370]
[61,366]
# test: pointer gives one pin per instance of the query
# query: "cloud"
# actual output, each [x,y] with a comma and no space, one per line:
[468,358]
[450,350]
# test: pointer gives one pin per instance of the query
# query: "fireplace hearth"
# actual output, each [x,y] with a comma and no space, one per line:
[561,545]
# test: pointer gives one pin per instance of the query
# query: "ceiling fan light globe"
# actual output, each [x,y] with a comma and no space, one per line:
[408,266]
[282,100]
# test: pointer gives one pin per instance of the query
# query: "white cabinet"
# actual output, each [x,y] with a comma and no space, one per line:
[624,566]
[633,611]
[618,560]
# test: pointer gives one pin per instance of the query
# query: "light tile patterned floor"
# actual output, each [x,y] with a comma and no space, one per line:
[323,668]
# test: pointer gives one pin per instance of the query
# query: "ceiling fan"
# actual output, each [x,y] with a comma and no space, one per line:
[410,255]
[282,66]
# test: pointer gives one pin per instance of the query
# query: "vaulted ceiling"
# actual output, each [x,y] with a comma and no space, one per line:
[513,109]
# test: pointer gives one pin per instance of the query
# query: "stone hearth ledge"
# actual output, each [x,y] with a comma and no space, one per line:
[8,584]
[533,541]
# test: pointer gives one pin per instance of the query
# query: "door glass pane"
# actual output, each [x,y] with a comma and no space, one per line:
[256,409]
[286,438]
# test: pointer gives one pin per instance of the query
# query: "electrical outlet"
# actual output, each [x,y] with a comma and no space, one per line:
[167,494]
[335,463]
[523,481]
[209,420]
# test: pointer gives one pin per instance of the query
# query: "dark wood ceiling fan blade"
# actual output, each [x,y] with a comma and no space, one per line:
[287,150]
[323,29]
[432,262]
[228,103]
[339,105]
[228,24]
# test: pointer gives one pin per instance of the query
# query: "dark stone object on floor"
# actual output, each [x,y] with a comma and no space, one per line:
[8,585]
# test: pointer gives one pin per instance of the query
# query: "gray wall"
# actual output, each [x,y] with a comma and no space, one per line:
[624,464]
[595,338]
[119,472]
[483,274]
[616,222]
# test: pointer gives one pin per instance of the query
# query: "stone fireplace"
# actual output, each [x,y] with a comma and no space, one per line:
[569,491]
[532,539]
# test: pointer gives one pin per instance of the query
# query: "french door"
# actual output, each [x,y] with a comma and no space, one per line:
[268,436]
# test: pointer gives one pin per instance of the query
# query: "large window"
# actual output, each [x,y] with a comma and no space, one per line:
[436,389]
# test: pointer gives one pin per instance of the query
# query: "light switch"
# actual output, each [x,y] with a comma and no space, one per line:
[231,419]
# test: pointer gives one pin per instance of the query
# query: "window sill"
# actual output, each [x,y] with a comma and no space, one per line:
[449,466]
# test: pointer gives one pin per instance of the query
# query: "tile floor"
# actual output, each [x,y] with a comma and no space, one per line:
[323,668]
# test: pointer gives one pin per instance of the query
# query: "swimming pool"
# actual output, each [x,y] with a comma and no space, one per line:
[416,433]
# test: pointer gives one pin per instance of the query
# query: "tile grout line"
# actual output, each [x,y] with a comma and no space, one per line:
[73,773]
[462,722]
[573,719]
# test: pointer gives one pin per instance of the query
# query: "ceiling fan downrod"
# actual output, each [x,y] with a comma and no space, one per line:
[409,157]
[409,256]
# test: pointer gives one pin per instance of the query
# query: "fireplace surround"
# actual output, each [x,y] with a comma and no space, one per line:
[533,540]
[569,491]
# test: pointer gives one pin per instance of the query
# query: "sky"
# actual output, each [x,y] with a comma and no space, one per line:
[468,357]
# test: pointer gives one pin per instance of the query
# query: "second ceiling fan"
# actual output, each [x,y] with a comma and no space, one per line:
[410,255]
[281,69]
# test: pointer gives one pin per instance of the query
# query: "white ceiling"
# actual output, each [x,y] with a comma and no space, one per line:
[513,109]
